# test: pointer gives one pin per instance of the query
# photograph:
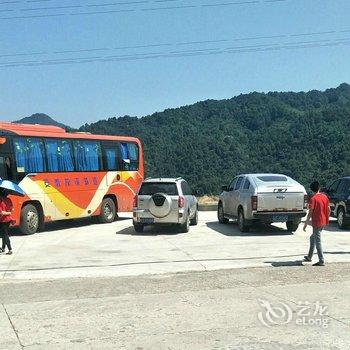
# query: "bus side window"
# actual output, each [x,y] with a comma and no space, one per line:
[29,154]
[111,158]
[87,155]
[130,156]
[59,155]
[124,155]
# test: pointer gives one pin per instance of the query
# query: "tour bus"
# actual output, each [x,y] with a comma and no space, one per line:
[68,175]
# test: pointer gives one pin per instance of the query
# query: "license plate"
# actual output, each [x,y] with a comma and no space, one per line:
[280,218]
[147,221]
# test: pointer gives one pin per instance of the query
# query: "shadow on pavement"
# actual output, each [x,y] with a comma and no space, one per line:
[336,252]
[150,231]
[285,263]
[333,227]
[65,224]
[231,230]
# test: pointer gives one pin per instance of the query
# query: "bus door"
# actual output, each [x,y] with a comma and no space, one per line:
[50,198]
[115,178]
[38,188]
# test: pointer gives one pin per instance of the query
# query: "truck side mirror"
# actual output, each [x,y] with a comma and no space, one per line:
[224,188]
[198,192]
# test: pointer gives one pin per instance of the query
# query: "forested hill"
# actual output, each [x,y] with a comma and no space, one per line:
[304,135]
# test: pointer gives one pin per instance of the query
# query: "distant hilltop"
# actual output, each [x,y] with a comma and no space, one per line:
[43,119]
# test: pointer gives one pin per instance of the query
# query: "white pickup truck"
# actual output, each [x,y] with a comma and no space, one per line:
[268,198]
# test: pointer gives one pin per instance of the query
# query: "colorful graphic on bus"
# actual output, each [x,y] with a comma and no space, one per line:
[68,175]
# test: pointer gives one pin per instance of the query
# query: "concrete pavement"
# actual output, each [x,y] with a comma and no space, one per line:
[83,249]
[88,286]
[192,310]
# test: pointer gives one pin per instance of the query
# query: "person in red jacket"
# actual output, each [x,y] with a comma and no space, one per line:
[319,212]
[6,208]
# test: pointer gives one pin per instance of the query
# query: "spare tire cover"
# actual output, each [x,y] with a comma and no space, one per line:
[160,205]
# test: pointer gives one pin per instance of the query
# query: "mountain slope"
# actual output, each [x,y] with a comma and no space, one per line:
[304,135]
[41,118]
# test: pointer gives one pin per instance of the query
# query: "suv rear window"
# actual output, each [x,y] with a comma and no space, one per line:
[272,178]
[150,188]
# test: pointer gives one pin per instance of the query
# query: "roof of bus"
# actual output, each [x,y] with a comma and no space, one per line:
[55,131]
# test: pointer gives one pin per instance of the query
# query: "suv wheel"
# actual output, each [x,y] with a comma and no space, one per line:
[194,221]
[185,227]
[242,223]
[341,218]
[221,217]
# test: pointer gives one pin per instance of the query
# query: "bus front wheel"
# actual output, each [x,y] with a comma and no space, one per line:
[108,211]
[30,220]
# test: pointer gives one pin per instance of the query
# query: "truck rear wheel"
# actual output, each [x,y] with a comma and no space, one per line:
[138,228]
[242,222]
[341,219]
[292,225]
[221,215]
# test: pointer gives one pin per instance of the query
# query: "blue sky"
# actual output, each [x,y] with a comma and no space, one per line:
[190,52]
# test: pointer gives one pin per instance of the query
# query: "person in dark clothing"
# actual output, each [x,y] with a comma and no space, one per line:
[6,208]
[8,169]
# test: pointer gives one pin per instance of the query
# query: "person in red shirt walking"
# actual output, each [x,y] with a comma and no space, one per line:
[6,208]
[319,212]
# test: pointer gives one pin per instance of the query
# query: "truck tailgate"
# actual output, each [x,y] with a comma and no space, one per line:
[280,201]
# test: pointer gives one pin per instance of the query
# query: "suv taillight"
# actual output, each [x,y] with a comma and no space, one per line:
[135,201]
[254,200]
[306,201]
[181,201]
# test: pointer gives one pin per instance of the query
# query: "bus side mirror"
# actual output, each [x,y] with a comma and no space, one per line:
[224,188]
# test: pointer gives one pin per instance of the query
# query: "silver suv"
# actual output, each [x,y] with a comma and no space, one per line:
[165,201]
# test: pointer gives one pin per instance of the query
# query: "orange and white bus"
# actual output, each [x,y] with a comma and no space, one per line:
[68,175]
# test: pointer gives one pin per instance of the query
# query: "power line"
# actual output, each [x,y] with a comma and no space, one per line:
[129,10]
[235,3]
[52,8]
[169,44]
[179,54]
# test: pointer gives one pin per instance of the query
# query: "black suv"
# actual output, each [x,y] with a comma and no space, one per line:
[339,199]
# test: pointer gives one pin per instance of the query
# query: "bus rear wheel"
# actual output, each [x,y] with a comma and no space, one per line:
[108,211]
[30,220]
